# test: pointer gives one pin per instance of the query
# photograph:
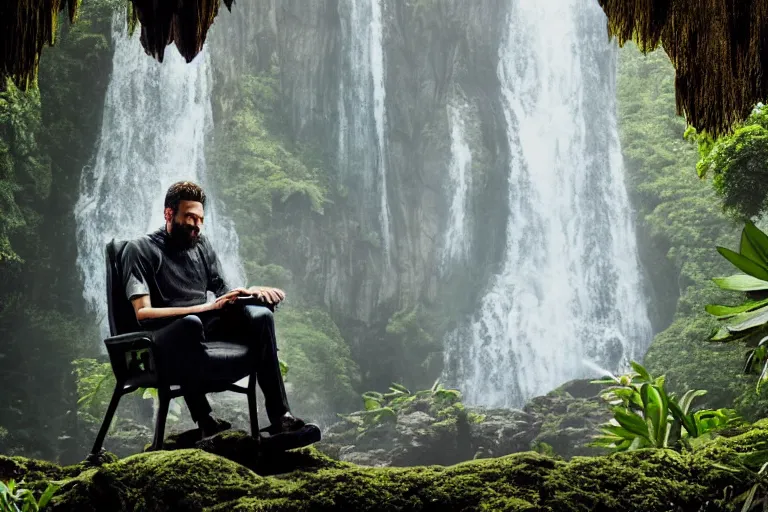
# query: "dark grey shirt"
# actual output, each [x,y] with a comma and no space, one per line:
[171,277]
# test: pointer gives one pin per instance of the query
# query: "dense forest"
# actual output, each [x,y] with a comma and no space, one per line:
[375,297]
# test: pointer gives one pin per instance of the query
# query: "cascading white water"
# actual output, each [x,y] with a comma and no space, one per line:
[155,122]
[569,288]
[457,237]
[362,106]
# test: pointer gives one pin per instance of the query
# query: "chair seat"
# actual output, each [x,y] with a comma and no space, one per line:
[227,361]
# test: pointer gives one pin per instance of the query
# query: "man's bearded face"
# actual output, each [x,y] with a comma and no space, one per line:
[186,224]
[183,235]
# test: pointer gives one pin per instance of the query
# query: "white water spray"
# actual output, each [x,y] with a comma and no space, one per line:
[569,288]
[457,237]
[362,107]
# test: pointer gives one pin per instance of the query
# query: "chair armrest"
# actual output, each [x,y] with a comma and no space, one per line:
[132,356]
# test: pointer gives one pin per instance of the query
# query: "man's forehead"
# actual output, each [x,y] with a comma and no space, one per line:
[186,206]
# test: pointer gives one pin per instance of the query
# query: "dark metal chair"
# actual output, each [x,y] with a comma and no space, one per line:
[136,363]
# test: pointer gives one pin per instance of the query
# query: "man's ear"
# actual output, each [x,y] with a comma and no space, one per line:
[168,215]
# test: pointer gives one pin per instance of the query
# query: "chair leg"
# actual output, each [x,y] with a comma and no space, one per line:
[164,396]
[252,409]
[107,419]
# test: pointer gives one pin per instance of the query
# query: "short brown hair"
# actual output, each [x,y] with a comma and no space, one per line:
[183,191]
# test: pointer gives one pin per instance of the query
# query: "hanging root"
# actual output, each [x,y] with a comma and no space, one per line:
[719,49]
[27,25]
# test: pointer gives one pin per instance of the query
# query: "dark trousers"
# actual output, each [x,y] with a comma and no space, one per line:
[181,345]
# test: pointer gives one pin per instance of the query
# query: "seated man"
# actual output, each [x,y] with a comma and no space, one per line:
[167,275]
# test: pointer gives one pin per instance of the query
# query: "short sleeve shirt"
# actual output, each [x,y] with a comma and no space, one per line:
[172,277]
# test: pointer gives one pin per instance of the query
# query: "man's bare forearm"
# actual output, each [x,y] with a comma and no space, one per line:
[149,312]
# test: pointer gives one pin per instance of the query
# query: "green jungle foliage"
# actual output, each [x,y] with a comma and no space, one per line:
[16,498]
[680,223]
[258,174]
[750,317]
[46,137]
[646,416]
[738,165]
[380,408]
[323,376]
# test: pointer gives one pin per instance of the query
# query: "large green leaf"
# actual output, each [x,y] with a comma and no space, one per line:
[631,422]
[723,312]
[619,432]
[685,420]
[744,264]
[757,240]
[746,249]
[722,334]
[640,369]
[688,398]
[47,495]
[400,388]
[741,283]
[638,442]
[746,321]
[656,413]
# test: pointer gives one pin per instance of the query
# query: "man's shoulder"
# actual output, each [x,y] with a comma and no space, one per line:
[140,242]
[143,246]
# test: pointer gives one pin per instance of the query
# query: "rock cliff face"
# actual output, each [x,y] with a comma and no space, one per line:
[385,148]
[400,106]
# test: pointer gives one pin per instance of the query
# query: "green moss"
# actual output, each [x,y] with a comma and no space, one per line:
[191,479]
[645,480]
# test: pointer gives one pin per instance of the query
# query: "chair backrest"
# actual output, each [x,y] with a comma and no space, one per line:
[122,317]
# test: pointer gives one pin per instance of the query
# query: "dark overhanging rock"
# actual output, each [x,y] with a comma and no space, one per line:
[718,48]
[26,26]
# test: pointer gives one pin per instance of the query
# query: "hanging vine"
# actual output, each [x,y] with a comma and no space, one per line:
[26,26]
[719,49]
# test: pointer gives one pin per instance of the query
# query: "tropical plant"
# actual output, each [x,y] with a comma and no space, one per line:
[748,320]
[745,319]
[646,416]
[15,498]
[380,408]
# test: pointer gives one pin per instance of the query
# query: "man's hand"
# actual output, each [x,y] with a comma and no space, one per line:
[240,291]
[269,295]
[220,302]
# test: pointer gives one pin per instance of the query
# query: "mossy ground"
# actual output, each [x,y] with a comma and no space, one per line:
[306,480]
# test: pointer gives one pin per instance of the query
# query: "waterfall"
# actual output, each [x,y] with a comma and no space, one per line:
[362,108]
[457,237]
[569,287]
[154,128]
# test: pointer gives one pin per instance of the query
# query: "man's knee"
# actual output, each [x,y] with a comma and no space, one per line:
[259,316]
[192,326]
